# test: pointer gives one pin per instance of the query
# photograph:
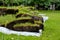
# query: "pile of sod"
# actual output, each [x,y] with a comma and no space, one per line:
[25,20]
[5,11]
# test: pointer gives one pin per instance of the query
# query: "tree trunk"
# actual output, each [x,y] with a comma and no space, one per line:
[3,2]
[53,6]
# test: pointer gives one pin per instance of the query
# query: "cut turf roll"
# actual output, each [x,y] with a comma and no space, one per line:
[5,11]
[26,22]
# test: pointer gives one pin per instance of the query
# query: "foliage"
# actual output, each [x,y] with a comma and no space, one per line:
[44,3]
[41,2]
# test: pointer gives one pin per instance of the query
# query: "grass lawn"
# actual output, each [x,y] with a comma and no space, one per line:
[51,26]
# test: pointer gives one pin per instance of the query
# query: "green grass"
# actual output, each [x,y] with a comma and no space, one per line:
[51,32]
[25,24]
[51,28]
[9,7]
[6,19]
[21,18]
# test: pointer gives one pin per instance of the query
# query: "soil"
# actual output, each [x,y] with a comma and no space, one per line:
[27,28]
[4,11]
